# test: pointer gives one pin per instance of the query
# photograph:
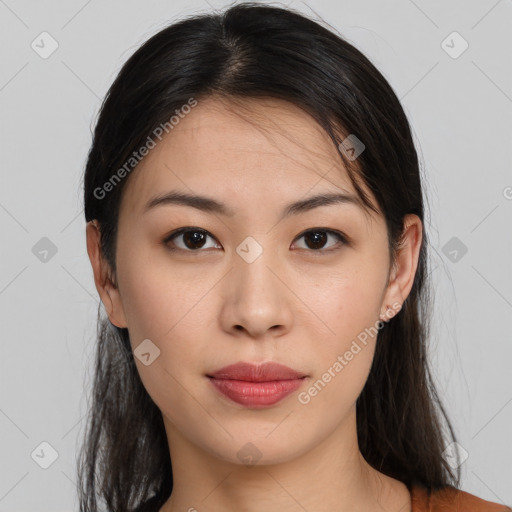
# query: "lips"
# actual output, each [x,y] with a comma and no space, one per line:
[255,385]
[250,372]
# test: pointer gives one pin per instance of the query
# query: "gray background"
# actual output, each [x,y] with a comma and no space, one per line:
[460,110]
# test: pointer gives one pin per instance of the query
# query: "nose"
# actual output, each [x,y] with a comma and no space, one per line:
[256,298]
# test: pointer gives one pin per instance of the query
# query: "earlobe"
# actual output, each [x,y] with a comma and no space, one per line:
[108,291]
[404,267]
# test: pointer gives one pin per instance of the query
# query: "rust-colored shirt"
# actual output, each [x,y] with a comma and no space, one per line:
[451,499]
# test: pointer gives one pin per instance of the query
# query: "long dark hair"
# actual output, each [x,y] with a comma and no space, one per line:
[252,50]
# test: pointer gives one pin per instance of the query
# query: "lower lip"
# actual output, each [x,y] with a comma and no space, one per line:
[256,394]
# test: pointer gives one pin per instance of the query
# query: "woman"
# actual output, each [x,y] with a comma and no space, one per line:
[255,224]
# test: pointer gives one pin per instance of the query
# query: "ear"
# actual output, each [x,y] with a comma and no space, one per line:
[106,287]
[404,267]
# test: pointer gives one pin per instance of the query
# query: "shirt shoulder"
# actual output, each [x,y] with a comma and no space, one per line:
[450,499]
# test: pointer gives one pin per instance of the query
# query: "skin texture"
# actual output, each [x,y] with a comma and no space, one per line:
[294,304]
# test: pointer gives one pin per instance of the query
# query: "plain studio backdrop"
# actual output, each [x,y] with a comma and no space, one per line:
[450,65]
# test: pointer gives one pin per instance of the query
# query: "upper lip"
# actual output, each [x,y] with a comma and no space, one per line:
[252,372]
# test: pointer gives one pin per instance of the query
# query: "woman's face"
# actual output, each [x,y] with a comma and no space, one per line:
[250,284]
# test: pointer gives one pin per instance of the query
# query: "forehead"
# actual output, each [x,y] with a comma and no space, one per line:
[266,148]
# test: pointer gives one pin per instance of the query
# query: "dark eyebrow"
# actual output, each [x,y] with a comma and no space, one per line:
[208,204]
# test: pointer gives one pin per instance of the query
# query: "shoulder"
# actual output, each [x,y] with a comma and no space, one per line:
[451,499]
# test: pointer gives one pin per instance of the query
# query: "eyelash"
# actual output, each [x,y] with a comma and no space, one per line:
[176,233]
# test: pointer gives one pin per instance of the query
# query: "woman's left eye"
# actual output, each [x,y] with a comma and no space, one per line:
[318,237]
[193,239]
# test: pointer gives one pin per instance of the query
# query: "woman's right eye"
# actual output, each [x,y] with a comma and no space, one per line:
[188,239]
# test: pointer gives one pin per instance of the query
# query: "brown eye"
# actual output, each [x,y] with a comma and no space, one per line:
[317,238]
[189,239]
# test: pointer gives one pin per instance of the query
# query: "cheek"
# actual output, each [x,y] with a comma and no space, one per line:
[348,307]
[158,296]
[342,360]
[166,308]
[348,303]
[169,306]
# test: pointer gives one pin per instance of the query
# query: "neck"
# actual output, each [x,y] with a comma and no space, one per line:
[330,476]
